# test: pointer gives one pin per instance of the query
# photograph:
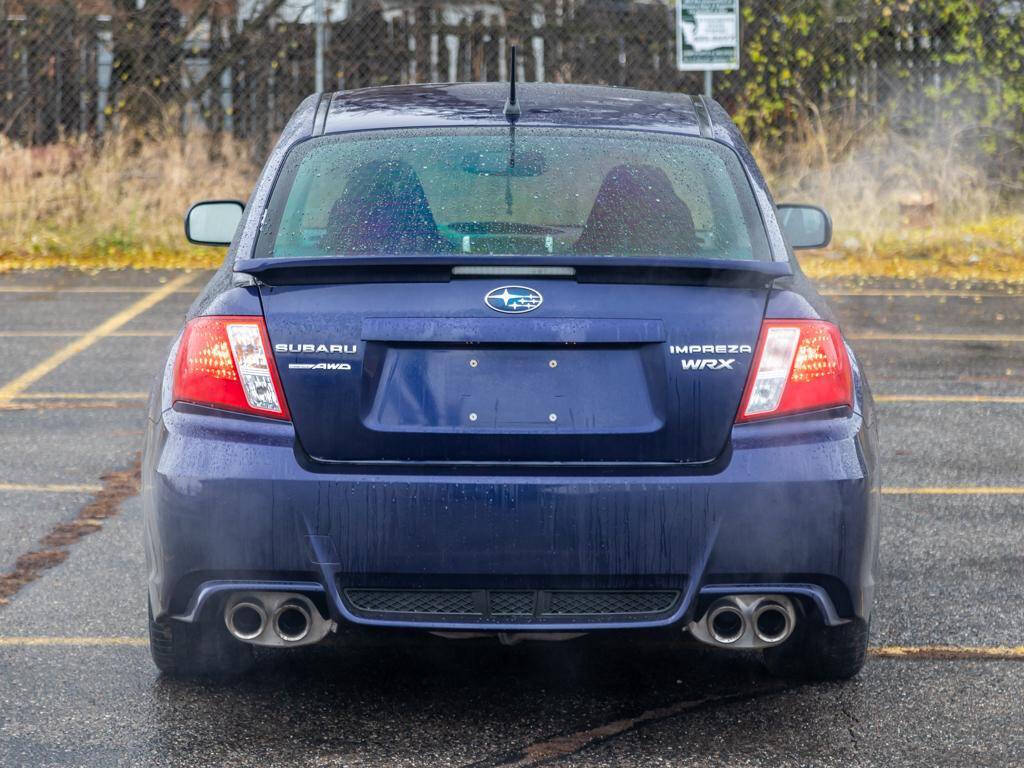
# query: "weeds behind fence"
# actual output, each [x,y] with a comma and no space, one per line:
[905,118]
[115,201]
[240,66]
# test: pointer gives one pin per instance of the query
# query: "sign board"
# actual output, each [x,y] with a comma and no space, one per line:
[707,34]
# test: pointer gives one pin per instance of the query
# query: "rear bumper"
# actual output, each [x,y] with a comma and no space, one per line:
[794,505]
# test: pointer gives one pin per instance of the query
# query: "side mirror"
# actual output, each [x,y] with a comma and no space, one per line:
[805,226]
[213,222]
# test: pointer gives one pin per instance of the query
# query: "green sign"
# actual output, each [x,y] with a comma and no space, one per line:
[707,34]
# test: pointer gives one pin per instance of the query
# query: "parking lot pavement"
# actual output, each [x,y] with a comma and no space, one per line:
[77,686]
[28,515]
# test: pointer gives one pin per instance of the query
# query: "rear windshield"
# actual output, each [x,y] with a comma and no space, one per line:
[527,191]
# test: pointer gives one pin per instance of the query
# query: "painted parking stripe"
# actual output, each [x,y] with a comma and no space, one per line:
[74,401]
[949,652]
[51,487]
[993,338]
[40,334]
[1008,399]
[983,338]
[87,289]
[997,399]
[957,490]
[82,399]
[67,405]
[31,642]
[18,385]
[983,490]
[896,292]
[926,651]
[73,334]
[82,396]
[923,292]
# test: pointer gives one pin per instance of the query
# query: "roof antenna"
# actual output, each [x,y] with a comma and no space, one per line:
[512,110]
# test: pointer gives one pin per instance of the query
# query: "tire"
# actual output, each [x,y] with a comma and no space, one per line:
[197,650]
[817,652]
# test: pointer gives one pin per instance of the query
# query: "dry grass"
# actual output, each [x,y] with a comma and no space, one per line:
[874,179]
[907,208]
[988,250]
[117,203]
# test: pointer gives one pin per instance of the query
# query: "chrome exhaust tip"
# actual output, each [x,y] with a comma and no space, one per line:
[245,620]
[726,623]
[292,622]
[772,622]
[747,621]
[277,619]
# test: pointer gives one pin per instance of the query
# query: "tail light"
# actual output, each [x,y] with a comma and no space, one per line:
[799,365]
[223,362]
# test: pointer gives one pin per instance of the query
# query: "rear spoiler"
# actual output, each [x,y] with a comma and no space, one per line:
[295,270]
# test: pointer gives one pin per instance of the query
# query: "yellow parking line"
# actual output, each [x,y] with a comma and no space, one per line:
[18,385]
[1012,399]
[51,487]
[73,334]
[39,334]
[897,292]
[939,652]
[84,289]
[948,652]
[957,490]
[82,396]
[65,405]
[922,292]
[986,338]
[65,641]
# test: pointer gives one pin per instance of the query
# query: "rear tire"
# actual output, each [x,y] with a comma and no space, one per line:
[197,650]
[817,652]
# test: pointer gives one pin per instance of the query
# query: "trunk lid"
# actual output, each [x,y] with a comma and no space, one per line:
[596,374]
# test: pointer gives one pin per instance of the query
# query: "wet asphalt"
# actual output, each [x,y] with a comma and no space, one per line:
[77,687]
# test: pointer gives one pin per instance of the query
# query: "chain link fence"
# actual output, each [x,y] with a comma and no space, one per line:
[240,66]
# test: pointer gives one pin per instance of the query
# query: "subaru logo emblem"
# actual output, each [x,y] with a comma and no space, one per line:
[513,299]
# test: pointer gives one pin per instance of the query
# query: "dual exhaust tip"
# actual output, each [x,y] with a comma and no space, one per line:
[746,621]
[270,618]
[247,621]
[770,623]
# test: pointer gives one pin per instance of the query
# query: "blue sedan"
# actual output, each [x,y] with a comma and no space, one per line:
[525,365]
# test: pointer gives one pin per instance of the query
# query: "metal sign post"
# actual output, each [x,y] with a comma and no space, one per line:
[318,52]
[707,37]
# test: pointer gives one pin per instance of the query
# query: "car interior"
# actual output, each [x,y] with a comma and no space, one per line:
[383,208]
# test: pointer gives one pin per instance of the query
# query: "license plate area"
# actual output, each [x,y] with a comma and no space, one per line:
[558,389]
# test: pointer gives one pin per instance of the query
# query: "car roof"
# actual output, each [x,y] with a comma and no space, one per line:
[443,104]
